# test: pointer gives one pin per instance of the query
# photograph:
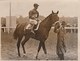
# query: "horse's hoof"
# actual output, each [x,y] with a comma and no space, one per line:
[19,55]
[24,55]
[36,57]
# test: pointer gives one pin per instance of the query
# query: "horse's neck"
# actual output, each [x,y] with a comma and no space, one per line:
[44,28]
[47,23]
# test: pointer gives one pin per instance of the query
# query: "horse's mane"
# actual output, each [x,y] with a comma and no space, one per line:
[46,18]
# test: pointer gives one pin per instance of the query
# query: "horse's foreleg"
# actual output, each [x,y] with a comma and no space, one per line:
[18,45]
[38,50]
[23,43]
[41,44]
[44,49]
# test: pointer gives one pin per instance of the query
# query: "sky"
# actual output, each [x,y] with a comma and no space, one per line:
[22,7]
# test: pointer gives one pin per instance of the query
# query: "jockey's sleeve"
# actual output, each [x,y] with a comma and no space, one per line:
[37,14]
[30,14]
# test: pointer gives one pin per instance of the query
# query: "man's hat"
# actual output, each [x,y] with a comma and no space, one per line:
[63,23]
[35,4]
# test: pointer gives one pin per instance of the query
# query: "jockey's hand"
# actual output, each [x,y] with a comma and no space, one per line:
[37,20]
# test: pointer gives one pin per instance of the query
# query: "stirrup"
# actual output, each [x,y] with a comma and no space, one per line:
[32,31]
[36,29]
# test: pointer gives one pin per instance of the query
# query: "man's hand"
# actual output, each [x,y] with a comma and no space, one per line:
[65,49]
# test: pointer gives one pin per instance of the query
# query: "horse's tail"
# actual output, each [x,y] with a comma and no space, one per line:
[15,34]
[19,31]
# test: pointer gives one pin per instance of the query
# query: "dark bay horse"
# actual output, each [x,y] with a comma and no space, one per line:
[41,34]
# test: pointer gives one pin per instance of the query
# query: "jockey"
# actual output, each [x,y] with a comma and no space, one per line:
[33,17]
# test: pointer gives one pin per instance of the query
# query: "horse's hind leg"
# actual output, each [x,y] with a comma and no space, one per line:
[23,43]
[18,45]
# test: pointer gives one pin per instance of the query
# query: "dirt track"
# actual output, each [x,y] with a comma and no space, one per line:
[9,49]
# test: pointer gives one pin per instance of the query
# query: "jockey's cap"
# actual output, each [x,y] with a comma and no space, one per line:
[63,23]
[35,4]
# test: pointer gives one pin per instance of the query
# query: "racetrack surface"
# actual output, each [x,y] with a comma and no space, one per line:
[9,47]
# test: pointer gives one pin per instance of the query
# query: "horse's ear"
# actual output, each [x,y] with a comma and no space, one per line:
[57,12]
[52,12]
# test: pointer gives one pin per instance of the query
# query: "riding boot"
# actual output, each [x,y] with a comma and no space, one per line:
[26,31]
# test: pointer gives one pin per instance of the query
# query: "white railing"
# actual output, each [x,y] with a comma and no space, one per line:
[52,27]
[8,28]
[70,27]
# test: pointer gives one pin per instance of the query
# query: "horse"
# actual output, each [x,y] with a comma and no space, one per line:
[41,34]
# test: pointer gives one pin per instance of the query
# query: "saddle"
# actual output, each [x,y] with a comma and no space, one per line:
[35,26]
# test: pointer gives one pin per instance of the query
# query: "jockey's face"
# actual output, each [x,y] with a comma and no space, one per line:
[35,7]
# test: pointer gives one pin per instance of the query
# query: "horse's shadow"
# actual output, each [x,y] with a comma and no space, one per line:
[29,56]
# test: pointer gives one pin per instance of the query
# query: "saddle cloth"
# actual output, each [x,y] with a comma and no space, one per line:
[33,24]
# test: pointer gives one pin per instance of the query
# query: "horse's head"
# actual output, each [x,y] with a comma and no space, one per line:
[54,17]
[56,26]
